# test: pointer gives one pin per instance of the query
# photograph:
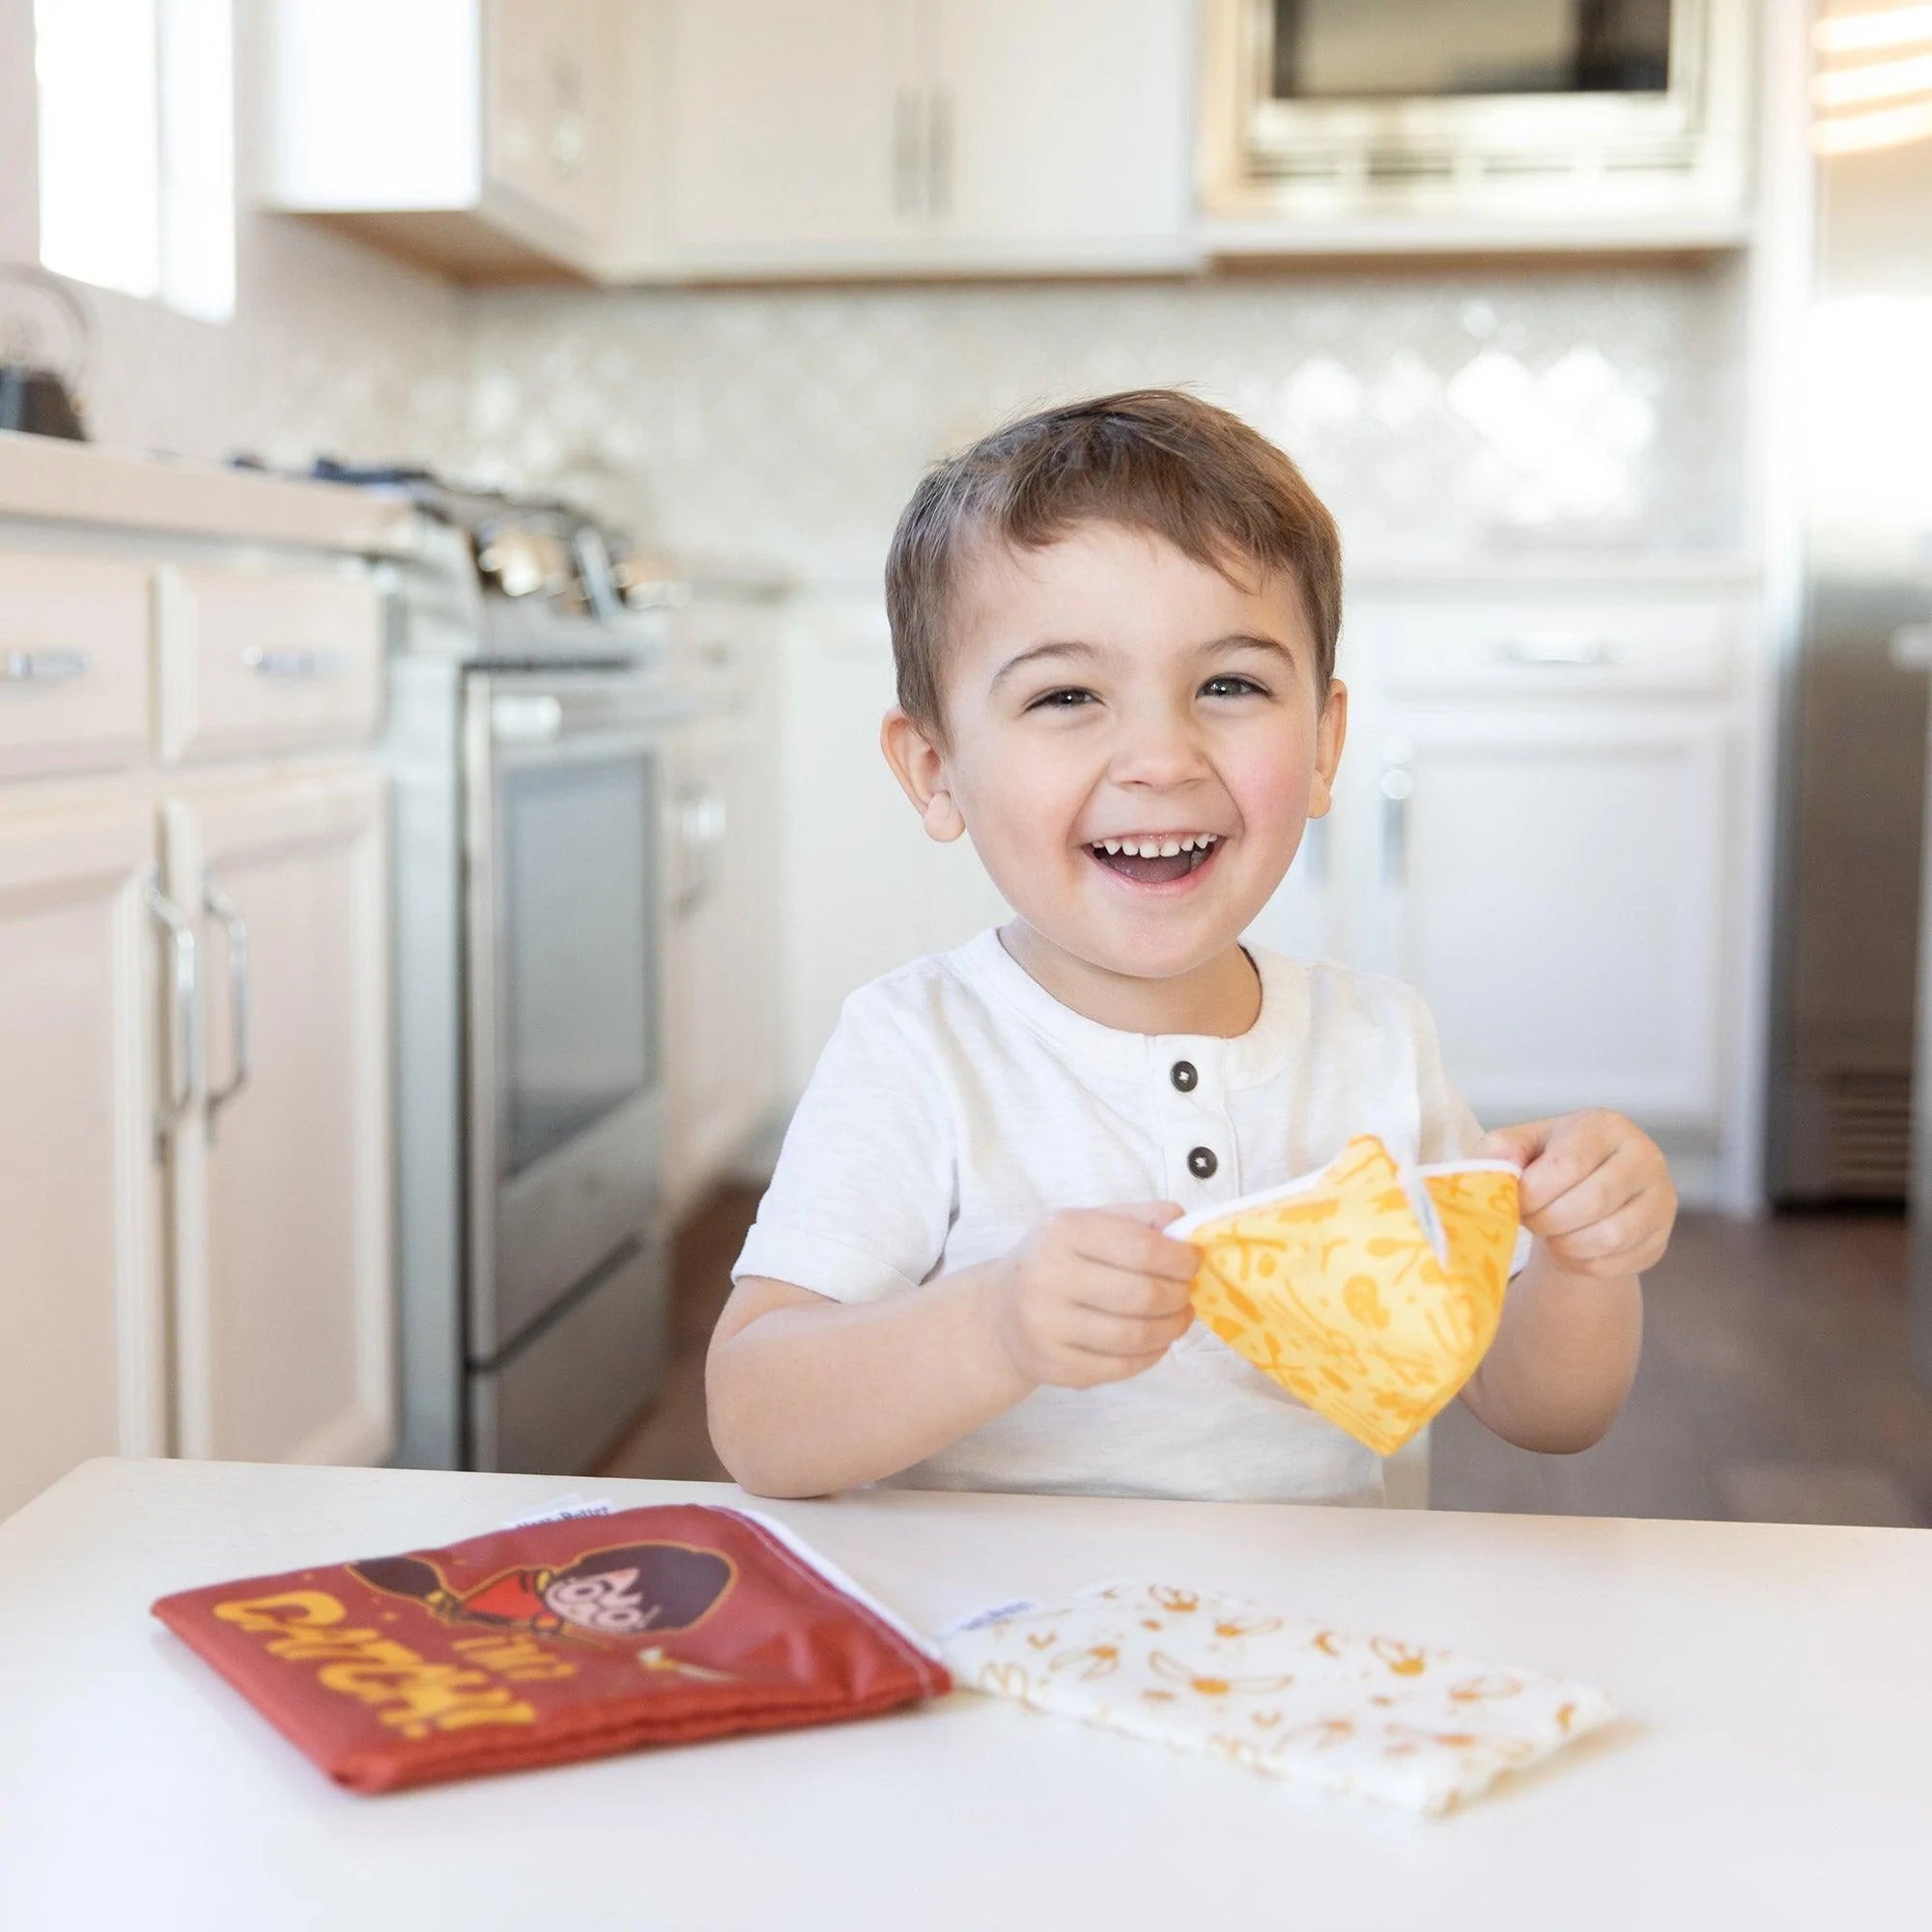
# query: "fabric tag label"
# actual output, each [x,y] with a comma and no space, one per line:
[999,1612]
[560,1509]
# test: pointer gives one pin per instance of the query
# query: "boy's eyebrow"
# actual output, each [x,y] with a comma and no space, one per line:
[1246,641]
[1056,647]
[1077,647]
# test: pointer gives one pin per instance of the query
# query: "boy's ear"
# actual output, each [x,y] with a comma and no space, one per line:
[1331,728]
[920,766]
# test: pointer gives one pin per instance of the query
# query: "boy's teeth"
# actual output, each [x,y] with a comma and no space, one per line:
[1156,848]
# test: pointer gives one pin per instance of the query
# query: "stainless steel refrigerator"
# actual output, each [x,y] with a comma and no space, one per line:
[1850,957]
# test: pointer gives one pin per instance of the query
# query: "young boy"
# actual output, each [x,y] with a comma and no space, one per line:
[1114,626]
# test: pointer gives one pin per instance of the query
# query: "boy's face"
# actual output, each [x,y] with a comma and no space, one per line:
[1109,689]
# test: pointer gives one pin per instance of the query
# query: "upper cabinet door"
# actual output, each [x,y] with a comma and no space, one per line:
[82,1363]
[550,71]
[1058,135]
[794,140]
[284,1293]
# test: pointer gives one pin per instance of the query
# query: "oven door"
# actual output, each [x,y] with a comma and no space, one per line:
[565,773]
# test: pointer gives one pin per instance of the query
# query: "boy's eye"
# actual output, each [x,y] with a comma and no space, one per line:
[1229,684]
[1069,699]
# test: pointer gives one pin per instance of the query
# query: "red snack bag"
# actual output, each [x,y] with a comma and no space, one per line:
[554,1641]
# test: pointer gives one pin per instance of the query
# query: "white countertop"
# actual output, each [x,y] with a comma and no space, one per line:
[47,479]
[1774,1767]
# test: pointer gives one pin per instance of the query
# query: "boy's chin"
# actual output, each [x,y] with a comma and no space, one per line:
[1152,946]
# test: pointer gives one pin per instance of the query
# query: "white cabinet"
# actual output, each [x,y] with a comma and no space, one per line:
[74,692]
[723,958]
[195,1246]
[864,888]
[281,1170]
[654,139]
[552,107]
[926,135]
[721,1044]
[481,136]
[83,1316]
[790,135]
[257,662]
[1553,883]
[1059,135]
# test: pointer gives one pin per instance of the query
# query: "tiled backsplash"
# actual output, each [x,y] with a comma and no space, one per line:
[1439,412]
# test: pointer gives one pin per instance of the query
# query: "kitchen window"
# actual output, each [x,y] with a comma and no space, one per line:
[136,105]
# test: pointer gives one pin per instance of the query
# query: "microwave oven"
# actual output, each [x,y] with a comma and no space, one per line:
[1427,115]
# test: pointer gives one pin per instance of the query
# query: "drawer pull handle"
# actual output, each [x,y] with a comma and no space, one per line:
[294,664]
[42,666]
[1559,647]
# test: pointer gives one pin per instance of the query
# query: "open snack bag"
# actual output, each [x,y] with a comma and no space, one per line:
[555,1640]
[1369,1291]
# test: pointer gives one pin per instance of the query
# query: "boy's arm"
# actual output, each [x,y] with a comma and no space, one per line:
[808,1395]
[1563,1360]
[1597,1196]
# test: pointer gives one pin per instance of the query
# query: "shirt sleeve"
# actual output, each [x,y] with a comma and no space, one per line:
[862,1196]
[1449,1129]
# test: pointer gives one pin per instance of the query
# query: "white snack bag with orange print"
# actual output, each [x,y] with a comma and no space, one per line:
[1291,1698]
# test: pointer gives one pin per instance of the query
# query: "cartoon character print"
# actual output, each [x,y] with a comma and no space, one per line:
[622,1592]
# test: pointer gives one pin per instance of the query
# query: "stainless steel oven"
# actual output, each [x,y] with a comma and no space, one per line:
[528,747]
[563,781]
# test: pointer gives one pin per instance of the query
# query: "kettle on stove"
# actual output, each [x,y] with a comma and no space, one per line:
[38,383]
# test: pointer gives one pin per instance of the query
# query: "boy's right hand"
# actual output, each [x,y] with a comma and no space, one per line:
[1094,1295]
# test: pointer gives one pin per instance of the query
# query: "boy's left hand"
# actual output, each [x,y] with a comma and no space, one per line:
[1595,1190]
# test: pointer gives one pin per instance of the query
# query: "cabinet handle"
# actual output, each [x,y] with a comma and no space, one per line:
[939,152]
[184,1014]
[906,151]
[1397,786]
[291,664]
[1559,647]
[215,900]
[42,666]
[700,831]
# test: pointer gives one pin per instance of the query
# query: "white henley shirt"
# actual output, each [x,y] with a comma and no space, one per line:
[958,1103]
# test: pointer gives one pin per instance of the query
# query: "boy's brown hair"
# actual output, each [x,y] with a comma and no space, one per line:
[1156,460]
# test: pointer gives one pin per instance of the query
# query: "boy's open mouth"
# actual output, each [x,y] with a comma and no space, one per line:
[1153,859]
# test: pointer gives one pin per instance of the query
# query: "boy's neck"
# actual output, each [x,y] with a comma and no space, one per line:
[1222,998]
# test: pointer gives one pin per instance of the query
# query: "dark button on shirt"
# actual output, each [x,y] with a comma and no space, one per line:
[1201,1163]
[1183,1075]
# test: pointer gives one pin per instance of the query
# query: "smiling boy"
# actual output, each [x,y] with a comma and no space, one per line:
[1114,626]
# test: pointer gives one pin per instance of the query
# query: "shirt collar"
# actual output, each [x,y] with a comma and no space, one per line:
[1244,1061]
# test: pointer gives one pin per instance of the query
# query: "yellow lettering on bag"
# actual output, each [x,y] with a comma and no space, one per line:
[412,1694]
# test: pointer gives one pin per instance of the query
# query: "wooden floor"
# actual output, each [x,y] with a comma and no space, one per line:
[1776,1384]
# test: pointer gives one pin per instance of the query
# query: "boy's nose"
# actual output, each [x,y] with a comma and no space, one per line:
[1158,754]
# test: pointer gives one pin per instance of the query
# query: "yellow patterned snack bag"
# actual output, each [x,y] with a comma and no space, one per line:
[1369,1292]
